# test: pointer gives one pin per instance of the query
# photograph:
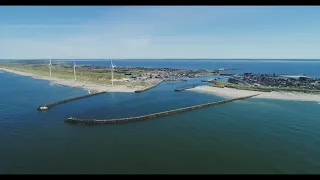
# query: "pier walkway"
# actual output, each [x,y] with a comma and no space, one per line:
[151,116]
[51,104]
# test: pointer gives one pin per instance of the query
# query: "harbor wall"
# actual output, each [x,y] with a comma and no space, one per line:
[51,104]
[182,89]
[164,80]
[151,116]
[146,89]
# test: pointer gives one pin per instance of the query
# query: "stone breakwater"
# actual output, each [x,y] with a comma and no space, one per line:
[182,89]
[146,89]
[164,80]
[151,116]
[178,79]
[51,104]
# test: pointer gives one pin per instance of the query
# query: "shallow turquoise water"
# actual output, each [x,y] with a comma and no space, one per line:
[251,136]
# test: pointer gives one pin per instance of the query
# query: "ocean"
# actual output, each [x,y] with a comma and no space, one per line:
[252,136]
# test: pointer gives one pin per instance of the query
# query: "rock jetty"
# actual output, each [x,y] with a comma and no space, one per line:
[51,104]
[150,116]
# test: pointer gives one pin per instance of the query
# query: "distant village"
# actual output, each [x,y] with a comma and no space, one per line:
[155,75]
[276,80]
[123,74]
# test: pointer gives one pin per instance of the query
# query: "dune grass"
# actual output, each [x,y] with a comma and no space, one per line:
[263,88]
[65,71]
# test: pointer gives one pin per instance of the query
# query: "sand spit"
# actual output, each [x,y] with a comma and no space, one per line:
[73,83]
[235,93]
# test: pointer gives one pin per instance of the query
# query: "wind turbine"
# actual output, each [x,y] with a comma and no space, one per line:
[112,69]
[50,65]
[74,70]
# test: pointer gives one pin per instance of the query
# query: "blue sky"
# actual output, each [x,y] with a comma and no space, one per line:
[160,32]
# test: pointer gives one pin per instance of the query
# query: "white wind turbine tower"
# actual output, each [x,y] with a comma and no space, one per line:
[112,69]
[50,65]
[74,70]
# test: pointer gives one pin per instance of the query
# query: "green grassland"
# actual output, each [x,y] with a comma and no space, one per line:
[263,88]
[65,71]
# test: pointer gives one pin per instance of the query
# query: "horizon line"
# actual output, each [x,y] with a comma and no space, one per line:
[104,59]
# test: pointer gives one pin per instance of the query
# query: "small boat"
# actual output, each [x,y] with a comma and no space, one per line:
[42,108]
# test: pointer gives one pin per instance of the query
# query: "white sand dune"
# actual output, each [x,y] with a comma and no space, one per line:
[73,83]
[234,93]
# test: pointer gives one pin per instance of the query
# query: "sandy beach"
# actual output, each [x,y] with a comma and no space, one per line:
[234,93]
[73,83]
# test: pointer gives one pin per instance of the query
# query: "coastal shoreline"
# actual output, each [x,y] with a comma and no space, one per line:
[72,83]
[234,93]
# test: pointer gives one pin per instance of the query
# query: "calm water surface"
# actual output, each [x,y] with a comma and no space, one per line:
[251,136]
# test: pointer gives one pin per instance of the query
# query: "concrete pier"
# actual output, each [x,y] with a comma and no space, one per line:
[150,116]
[51,104]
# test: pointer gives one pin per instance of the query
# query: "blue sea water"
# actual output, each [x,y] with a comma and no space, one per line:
[251,136]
